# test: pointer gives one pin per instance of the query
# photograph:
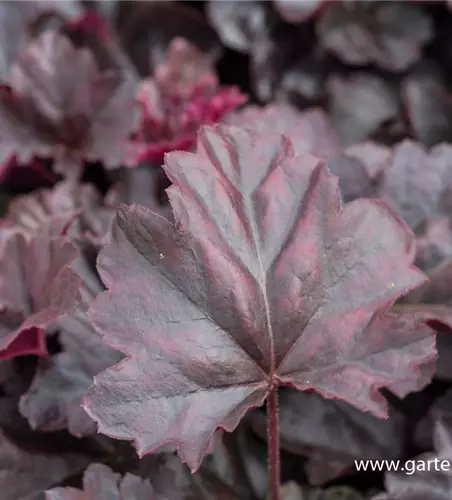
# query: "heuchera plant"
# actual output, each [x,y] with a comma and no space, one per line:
[225,250]
[267,294]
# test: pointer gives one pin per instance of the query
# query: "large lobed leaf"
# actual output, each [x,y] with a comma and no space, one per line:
[61,105]
[264,280]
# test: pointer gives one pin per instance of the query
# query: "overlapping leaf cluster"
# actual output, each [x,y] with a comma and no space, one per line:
[205,204]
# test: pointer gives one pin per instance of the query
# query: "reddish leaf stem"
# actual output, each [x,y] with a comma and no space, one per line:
[273,445]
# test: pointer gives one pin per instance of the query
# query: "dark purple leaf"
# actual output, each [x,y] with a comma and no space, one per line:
[37,287]
[374,157]
[26,475]
[309,131]
[62,106]
[429,108]
[101,482]
[361,105]
[427,370]
[78,205]
[224,466]
[268,293]
[253,453]
[91,31]
[53,402]
[359,169]
[321,468]
[340,434]
[414,180]
[434,244]
[297,11]
[427,481]
[388,34]
[19,21]
[441,409]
